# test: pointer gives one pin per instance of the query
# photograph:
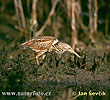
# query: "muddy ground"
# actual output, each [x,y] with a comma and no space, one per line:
[55,72]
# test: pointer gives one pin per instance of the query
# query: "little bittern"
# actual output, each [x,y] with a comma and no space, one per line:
[47,43]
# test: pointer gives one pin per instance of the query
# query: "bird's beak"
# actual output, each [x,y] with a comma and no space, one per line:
[72,51]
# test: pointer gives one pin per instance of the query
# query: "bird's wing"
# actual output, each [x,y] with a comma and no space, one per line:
[45,38]
[40,43]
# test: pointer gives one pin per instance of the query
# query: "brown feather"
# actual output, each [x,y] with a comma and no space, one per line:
[40,43]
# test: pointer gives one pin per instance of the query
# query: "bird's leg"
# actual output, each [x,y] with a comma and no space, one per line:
[37,60]
[38,55]
[43,56]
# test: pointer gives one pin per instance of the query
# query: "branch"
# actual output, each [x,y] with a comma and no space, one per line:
[34,14]
[75,97]
[95,15]
[107,24]
[69,7]
[91,21]
[84,28]
[49,16]
[22,14]
[74,40]
[17,13]
[28,6]
[90,16]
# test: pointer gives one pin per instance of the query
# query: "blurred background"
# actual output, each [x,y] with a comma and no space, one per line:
[85,25]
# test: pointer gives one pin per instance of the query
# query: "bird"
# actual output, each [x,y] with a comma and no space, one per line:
[44,44]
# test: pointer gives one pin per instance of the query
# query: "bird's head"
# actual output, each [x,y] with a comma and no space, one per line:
[67,47]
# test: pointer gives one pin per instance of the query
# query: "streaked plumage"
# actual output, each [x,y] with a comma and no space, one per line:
[61,47]
[47,43]
[40,43]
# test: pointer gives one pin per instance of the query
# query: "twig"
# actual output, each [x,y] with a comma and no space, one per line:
[17,13]
[19,28]
[10,68]
[73,98]
[79,19]
[69,94]
[34,14]
[106,24]
[69,7]
[38,97]
[95,15]
[49,16]
[90,16]
[74,40]
[28,6]
[55,29]
[91,21]
[22,14]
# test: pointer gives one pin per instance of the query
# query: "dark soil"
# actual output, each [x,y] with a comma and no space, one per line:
[21,72]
